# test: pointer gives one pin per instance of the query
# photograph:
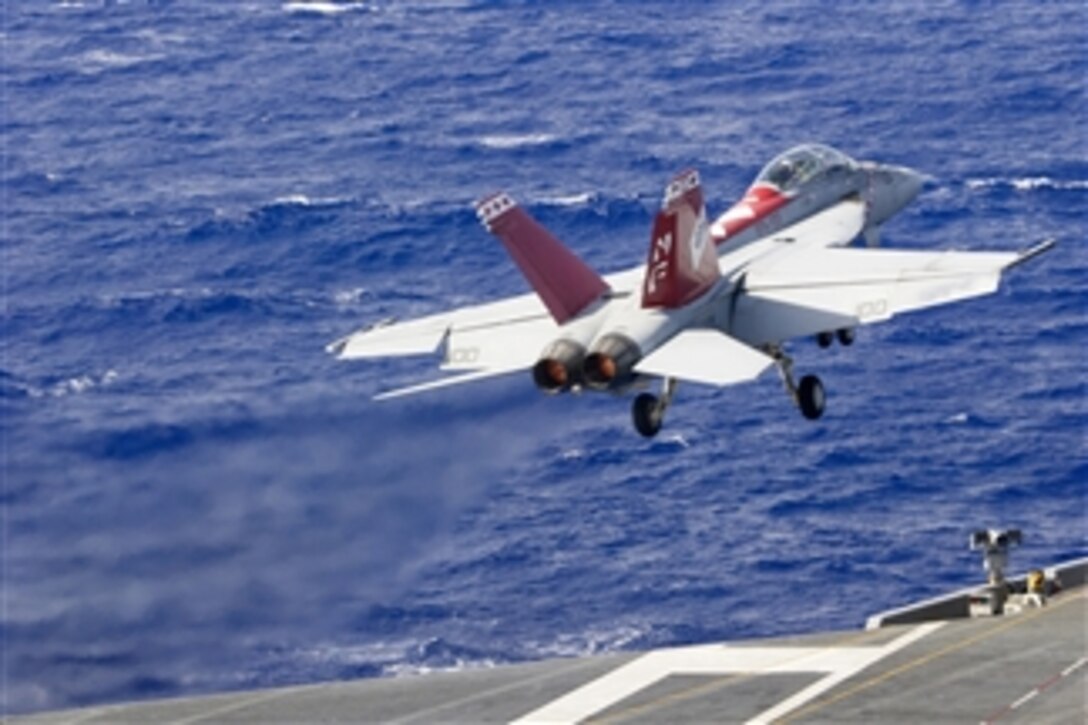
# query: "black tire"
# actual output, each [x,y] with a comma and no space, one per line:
[811,397]
[645,415]
[824,339]
[846,336]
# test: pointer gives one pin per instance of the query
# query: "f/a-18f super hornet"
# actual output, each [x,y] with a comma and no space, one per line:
[714,303]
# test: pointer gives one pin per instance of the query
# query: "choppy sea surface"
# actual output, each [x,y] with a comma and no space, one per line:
[198,196]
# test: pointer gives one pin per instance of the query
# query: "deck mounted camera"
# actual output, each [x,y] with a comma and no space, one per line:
[995,545]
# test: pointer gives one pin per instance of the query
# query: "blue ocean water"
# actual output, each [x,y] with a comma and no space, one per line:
[198,196]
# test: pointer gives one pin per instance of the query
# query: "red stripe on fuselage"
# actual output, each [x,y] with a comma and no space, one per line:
[759,202]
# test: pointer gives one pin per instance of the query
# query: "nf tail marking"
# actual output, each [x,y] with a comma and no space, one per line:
[682,265]
[660,254]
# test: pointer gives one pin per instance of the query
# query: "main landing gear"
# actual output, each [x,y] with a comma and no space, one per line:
[648,410]
[809,394]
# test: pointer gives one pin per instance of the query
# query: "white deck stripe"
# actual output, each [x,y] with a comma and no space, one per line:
[821,686]
[1024,699]
[1074,667]
[429,714]
[618,685]
[1038,690]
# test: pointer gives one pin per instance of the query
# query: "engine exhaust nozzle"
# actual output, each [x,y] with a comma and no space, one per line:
[559,367]
[612,362]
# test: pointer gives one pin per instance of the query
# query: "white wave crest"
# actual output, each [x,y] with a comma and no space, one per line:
[181,293]
[407,669]
[516,141]
[1029,183]
[679,440]
[587,644]
[97,61]
[380,653]
[74,386]
[316,7]
[570,200]
[303,200]
[390,657]
[344,298]
[159,38]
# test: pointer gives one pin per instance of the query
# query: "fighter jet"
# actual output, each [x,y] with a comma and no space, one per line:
[714,304]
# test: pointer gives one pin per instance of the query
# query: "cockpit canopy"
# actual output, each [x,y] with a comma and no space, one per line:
[801,163]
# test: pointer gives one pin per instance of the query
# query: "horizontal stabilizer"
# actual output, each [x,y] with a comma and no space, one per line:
[705,356]
[566,285]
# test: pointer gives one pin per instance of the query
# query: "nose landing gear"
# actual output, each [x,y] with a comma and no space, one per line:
[811,397]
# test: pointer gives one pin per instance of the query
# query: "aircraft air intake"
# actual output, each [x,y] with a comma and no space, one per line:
[612,362]
[560,366]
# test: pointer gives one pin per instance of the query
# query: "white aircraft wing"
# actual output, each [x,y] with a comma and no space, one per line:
[817,290]
[705,356]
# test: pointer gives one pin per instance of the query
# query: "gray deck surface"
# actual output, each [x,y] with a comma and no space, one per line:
[1028,668]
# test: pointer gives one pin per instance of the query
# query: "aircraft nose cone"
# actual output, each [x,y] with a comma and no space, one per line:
[908,183]
[891,189]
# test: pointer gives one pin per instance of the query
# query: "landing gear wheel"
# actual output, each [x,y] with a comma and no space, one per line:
[824,339]
[846,336]
[647,414]
[811,397]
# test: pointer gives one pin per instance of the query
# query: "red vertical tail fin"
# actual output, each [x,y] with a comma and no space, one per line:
[566,285]
[682,263]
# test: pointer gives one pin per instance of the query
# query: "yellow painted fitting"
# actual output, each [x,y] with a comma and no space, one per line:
[1036,581]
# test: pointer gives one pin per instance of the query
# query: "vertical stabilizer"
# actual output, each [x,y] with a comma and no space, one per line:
[566,285]
[682,263]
